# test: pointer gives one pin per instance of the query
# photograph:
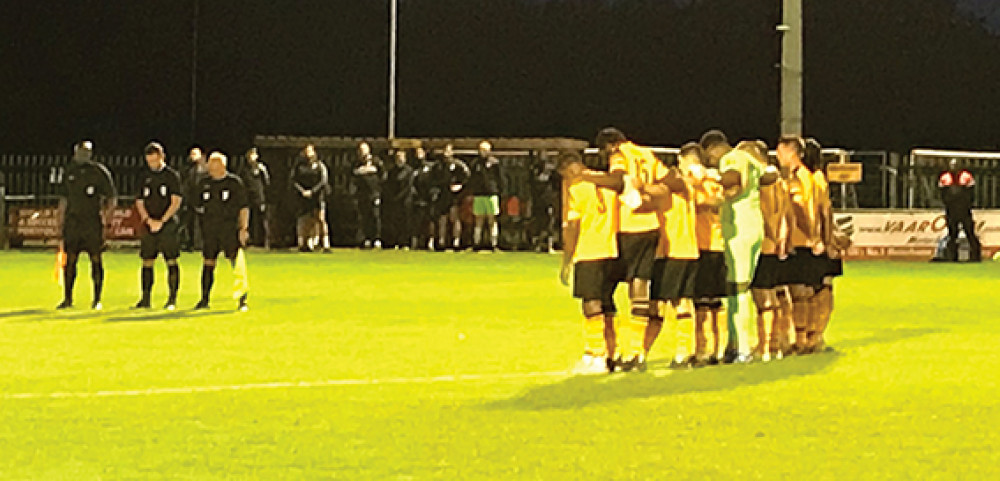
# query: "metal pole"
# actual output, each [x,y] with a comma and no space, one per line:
[393,13]
[194,71]
[791,67]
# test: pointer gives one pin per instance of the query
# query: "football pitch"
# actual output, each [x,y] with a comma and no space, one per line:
[412,365]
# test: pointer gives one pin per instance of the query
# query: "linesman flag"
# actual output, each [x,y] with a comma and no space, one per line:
[58,271]
[241,281]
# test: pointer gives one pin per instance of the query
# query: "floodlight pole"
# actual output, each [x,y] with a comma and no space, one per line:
[194,71]
[791,67]
[393,13]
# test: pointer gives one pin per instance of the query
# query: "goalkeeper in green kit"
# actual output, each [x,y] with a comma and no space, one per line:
[742,231]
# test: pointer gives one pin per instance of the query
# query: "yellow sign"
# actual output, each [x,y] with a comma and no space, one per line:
[844,173]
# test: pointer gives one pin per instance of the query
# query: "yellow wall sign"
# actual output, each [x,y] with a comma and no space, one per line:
[844,173]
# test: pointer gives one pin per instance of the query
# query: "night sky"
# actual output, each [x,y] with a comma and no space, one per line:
[891,74]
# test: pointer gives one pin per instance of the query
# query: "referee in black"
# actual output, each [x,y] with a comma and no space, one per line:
[225,218]
[158,201]
[88,192]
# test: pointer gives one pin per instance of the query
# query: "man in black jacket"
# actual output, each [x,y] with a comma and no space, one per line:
[484,185]
[956,186]
[369,173]
[427,190]
[256,179]
[310,182]
[397,196]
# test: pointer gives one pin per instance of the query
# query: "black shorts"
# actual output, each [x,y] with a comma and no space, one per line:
[215,240]
[443,204]
[166,242]
[710,279]
[309,205]
[803,267]
[674,279]
[835,267]
[766,275]
[83,236]
[636,253]
[592,280]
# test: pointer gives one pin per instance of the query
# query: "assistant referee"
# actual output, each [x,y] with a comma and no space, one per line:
[222,199]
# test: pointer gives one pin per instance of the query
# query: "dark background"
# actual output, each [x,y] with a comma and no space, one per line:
[886,74]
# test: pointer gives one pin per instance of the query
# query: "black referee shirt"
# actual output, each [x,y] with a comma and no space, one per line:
[84,185]
[157,189]
[221,200]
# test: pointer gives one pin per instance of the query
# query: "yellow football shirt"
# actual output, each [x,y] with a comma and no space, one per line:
[802,192]
[679,237]
[708,226]
[637,162]
[595,209]
[773,208]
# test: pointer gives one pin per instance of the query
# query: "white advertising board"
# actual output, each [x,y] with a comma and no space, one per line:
[912,233]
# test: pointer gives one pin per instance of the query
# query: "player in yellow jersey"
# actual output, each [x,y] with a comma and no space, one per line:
[676,265]
[772,332]
[822,307]
[710,275]
[803,270]
[632,169]
[590,250]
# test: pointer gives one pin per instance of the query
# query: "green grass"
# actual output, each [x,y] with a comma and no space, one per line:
[911,393]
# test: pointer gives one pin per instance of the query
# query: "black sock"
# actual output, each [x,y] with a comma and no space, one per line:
[207,278]
[173,280]
[69,278]
[147,283]
[97,275]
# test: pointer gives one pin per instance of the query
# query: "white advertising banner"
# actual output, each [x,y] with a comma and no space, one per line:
[912,233]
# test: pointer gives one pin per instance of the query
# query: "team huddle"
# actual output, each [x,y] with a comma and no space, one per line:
[723,230]
[88,193]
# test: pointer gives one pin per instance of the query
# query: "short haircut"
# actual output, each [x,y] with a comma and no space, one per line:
[713,138]
[154,148]
[794,140]
[753,148]
[813,158]
[694,148]
[608,136]
[568,158]
[216,155]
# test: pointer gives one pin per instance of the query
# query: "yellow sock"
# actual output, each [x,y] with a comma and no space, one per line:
[684,337]
[635,331]
[593,336]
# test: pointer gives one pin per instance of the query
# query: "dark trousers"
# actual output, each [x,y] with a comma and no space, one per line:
[370,215]
[190,229]
[964,221]
[259,232]
[423,223]
[396,224]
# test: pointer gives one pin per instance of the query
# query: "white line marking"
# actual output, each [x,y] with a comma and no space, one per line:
[279,385]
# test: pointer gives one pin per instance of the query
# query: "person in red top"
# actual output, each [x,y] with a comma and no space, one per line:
[956,186]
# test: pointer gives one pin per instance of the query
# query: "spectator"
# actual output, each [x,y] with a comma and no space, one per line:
[956,186]
[397,195]
[452,175]
[484,185]
[310,181]
[257,179]
[369,173]
[426,192]
[546,192]
[193,172]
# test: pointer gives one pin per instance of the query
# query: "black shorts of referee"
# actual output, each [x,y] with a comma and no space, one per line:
[83,235]
[710,284]
[593,280]
[636,253]
[224,239]
[674,279]
[166,241]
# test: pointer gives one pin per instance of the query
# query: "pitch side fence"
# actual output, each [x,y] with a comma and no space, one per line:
[29,185]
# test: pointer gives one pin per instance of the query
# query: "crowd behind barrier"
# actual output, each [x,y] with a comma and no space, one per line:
[529,207]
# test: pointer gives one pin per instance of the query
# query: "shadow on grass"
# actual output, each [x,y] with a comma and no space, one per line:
[166,315]
[581,391]
[22,312]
